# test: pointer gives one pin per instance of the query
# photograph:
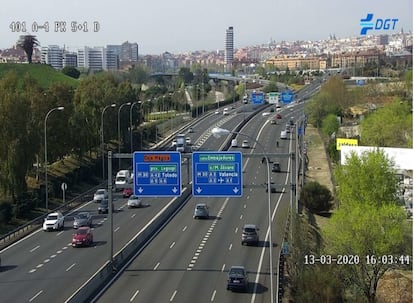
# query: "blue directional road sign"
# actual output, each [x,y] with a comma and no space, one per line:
[287,96]
[257,97]
[157,174]
[217,174]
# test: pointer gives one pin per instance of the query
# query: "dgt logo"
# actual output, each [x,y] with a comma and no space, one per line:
[379,24]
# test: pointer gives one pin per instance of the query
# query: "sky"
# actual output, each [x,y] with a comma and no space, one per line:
[180,26]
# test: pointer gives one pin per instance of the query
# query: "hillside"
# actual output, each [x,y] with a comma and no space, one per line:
[44,74]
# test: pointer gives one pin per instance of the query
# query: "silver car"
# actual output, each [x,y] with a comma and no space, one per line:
[134,201]
[82,219]
[250,234]
[201,211]
[100,195]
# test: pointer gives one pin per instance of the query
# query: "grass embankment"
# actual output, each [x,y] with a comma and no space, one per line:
[44,74]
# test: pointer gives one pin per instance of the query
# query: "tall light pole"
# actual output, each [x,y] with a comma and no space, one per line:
[119,131]
[102,137]
[130,123]
[218,132]
[46,186]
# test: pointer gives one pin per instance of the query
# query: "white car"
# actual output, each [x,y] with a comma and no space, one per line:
[100,194]
[266,114]
[245,144]
[188,140]
[54,221]
[174,143]
[234,143]
[134,201]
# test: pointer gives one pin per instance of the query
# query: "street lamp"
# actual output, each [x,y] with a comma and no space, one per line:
[47,193]
[119,131]
[218,132]
[130,122]
[102,137]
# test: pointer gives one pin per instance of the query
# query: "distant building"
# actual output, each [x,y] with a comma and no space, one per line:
[96,59]
[298,62]
[229,49]
[70,59]
[129,54]
[52,55]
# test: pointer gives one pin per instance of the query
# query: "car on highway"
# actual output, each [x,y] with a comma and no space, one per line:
[283,135]
[134,201]
[250,234]
[100,194]
[54,221]
[190,130]
[237,278]
[264,114]
[82,237]
[276,167]
[127,192]
[201,211]
[173,143]
[272,188]
[103,207]
[245,144]
[81,219]
[188,140]
[234,143]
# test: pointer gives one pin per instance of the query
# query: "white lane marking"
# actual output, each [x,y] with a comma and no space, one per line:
[241,217]
[39,265]
[59,252]
[172,245]
[116,229]
[32,271]
[46,261]
[236,230]
[52,256]
[231,245]
[185,228]
[70,267]
[133,215]
[173,295]
[134,295]
[213,296]
[59,233]
[156,266]
[35,296]
[223,267]
[34,248]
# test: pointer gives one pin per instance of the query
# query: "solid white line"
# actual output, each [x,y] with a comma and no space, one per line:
[35,296]
[70,267]
[133,297]
[173,295]
[34,248]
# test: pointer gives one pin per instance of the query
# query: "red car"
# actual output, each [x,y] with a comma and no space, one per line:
[127,192]
[82,237]
[278,116]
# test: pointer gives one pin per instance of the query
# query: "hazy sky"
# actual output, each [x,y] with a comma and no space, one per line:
[187,25]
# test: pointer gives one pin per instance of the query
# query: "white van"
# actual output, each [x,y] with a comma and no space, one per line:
[123,177]
[283,135]
[234,143]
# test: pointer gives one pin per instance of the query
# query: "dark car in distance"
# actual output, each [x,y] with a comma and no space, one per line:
[276,167]
[82,237]
[82,219]
[103,207]
[237,279]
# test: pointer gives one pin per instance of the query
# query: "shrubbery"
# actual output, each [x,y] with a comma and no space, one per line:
[316,197]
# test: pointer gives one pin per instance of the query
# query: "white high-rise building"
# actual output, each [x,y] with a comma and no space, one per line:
[52,55]
[96,59]
[229,49]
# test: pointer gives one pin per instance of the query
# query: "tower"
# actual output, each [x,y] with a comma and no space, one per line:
[229,49]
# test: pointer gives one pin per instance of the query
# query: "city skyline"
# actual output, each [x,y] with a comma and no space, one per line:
[179,26]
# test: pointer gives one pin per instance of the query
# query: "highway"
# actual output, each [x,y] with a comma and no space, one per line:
[188,261]
[187,254]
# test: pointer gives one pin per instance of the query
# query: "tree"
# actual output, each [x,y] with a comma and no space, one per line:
[71,72]
[391,125]
[330,124]
[368,224]
[28,43]
[316,197]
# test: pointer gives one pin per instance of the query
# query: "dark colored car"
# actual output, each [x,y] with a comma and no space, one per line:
[82,219]
[127,192]
[250,234]
[103,207]
[237,279]
[276,167]
[82,237]
[272,188]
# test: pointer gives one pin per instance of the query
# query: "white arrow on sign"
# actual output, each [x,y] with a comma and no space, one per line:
[174,189]
[199,190]
[236,190]
[140,190]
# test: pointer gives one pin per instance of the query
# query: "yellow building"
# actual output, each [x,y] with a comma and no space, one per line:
[298,62]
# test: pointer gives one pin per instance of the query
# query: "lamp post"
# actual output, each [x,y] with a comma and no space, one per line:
[119,131]
[130,123]
[218,132]
[46,186]
[102,137]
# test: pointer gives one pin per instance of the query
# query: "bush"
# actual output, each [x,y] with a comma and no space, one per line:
[316,197]
[5,212]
